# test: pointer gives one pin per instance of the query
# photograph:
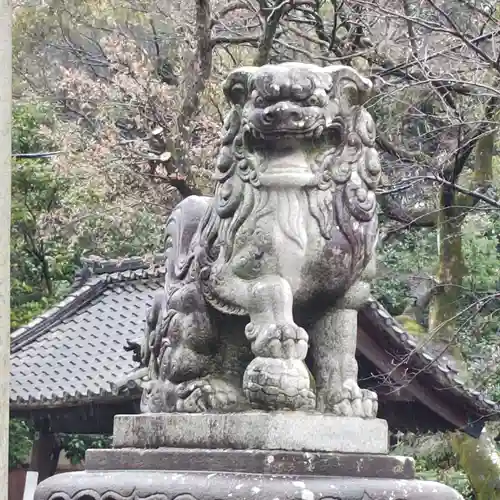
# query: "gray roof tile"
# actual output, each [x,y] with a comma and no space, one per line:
[79,356]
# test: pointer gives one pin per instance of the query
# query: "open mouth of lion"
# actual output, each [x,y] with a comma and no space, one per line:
[287,154]
[318,137]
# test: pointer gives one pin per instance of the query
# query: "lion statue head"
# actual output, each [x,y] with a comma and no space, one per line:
[302,128]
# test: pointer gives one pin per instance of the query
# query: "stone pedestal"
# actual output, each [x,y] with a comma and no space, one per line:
[244,456]
[290,431]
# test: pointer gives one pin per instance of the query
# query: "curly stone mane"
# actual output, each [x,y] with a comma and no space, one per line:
[346,171]
[346,197]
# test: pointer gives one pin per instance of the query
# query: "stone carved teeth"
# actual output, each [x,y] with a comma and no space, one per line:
[316,132]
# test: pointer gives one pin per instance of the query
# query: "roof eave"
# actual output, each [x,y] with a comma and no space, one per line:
[75,400]
[434,383]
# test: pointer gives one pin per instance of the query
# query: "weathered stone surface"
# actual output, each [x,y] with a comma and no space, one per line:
[290,431]
[253,462]
[293,221]
[155,485]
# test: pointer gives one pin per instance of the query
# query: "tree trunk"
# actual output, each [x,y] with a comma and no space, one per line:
[485,149]
[452,211]
[450,273]
[271,23]
[481,461]
[5,161]
[198,72]
[478,457]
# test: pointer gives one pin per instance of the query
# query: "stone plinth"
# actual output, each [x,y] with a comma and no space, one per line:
[241,457]
[290,431]
[187,485]
[252,462]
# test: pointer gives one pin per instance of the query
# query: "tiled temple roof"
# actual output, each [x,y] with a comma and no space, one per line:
[74,353]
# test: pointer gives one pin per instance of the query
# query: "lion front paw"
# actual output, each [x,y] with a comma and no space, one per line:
[277,340]
[351,401]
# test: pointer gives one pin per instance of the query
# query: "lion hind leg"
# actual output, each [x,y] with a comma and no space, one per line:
[210,393]
[198,395]
[334,362]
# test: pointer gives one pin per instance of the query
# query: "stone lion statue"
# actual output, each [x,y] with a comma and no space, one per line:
[263,281]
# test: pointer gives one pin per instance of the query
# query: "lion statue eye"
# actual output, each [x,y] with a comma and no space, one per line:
[259,101]
[314,100]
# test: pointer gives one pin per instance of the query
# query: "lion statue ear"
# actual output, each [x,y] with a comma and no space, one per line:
[237,84]
[347,80]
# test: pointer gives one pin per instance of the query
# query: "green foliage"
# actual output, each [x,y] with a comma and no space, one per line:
[479,338]
[22,313]
[435,460]
[412,252]
[412,326]
[27,118]
[75,445]
[59,215]
[20,442]
[41,262]
[41,255]
[480,252]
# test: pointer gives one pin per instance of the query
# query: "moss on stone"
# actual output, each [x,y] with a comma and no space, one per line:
[411,326]
[480,460]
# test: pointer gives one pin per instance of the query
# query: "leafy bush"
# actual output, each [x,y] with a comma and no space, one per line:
[412,253]
[20,442]
[435,460]
[75,445]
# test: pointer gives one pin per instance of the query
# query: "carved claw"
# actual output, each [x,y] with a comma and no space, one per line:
[351,401]
[157,397]
[281,340]
[207,394]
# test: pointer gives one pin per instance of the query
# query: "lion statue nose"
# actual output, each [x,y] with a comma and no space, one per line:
[283,114]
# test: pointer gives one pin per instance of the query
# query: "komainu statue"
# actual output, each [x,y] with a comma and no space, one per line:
[263,281]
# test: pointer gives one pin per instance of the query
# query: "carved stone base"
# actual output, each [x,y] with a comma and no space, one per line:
[252,462]
[156,485]
[141,467]
[280,430]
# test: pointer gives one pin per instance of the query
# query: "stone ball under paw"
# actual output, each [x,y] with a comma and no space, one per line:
[272,384]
